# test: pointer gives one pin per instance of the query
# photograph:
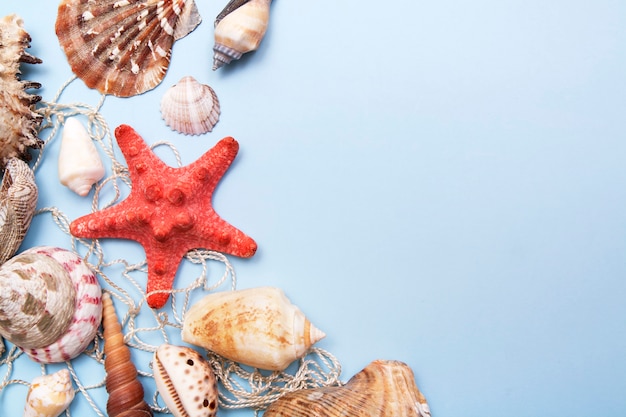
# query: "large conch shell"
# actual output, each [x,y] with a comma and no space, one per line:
[185,381]
[49,395]
[19,122]
[239,29]
[125,390]
[80,165]
[49,303]
[258,327]
[123,47]
[381,389]
[18,201]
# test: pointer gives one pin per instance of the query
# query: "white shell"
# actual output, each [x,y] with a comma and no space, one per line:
[49,395]
[258,327]
[80,165]
[185,381]
[190,107]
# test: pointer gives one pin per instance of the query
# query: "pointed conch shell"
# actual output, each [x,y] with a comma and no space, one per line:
[49,395]
[49,303]
[185,381]
[258,327]
[381,389]
[239,29]
[190,107]
[122,47]
[18,201]
[125,390]
[80,165]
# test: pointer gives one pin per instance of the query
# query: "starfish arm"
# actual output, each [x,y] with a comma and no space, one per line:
[162,267]
[139,157]
[214,163]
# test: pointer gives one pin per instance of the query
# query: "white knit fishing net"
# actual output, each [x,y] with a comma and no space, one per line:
[145,329]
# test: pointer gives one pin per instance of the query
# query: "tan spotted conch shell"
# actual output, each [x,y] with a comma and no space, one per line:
[49,395]
[49,303]
[381,389]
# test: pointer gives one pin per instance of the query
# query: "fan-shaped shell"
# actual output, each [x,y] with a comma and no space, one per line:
[49,395]
[122,47]
[190,107]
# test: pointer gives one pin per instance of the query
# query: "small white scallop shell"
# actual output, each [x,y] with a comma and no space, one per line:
[190,107]
[80,165]
[49,395]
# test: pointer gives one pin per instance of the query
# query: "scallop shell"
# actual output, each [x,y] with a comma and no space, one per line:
[18,201]
[49,303]
[258,327]
[125,390]
[381,389]
[122,47]
[239,29]
[80,165]
[49,395]
[185,381]
[190,107]
[19,122]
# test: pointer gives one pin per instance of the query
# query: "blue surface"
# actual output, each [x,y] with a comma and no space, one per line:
[441,183]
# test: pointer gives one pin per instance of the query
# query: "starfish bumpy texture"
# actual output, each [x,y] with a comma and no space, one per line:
[168,211]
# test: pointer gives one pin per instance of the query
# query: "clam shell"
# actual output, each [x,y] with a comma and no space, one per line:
[381,389]
[190,107]
[49,395]
[80,165]
[258,327]
[185,381]
[122,47]
[18,201]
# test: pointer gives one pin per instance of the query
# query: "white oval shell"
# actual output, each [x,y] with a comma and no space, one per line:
[185,381]
[49,395]
[190,107]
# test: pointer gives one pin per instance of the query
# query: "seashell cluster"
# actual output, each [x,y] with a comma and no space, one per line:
[125,390]
[49,395]
[122,48]
[49,303]
[190,107]
[185,381]
[18,201]
[19,122]
[381,389]
[258,327]
[80,166]
[239,29]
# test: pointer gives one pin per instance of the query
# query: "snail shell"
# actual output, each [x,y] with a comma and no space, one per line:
[18,200]
[49,395]
[239,29]
[381,389]
[49,303]
[190,107]
[125,390]
[258,327]
[80,165]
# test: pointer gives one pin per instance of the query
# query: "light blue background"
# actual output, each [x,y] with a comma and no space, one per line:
[441,183]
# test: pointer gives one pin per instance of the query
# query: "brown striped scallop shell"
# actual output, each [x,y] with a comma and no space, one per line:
[122,47]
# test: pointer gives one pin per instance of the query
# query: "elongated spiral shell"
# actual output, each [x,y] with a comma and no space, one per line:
[49,303]
[122,47]
[190,107]
[18,201]
[126,395]
[19,122]
[49,395]
[381,389]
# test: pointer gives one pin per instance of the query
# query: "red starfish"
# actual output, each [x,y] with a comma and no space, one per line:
[168,211]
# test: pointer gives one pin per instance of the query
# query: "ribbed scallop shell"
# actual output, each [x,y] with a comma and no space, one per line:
[258,327]
[19,123]
[122,47]
[49,395]
[18,201]
[49,303]
[381,389]
[190,107]
[185,381]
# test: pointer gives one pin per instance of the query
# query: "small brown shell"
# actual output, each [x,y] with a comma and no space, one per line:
[190,107]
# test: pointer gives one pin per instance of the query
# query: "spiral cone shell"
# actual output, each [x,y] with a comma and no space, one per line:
[381,389]
[258,327]
[49,395]
[126,395]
